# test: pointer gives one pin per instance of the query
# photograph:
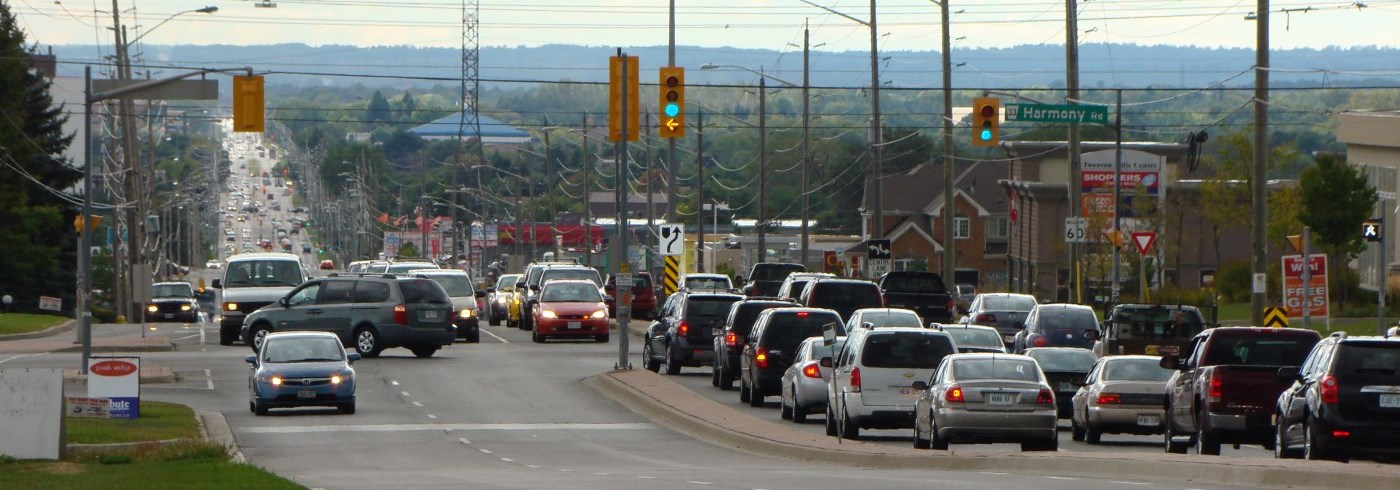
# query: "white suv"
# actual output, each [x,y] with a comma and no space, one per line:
[874,376]
[252,281]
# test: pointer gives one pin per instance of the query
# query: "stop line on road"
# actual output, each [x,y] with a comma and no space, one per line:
[439,427]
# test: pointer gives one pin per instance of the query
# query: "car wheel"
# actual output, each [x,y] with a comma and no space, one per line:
[512,324]
[744,394]
[473,338]
[1092,434]
[1281,449]
[648,360]
[252,407]
[536,337]
[830,422]
[258,408]
[347,408]
[257,334]
[425,351]
[799,412]
[849,430]
[493,319]
[726,380]
[755,396]
[527,322]
[786,412]
[1076,431]
[601,339]
[919,441]
[367,342]
[1207,442]
[227,338]
[672,367]
[1312,450]
[714,376]
[935,441]
[1171,446]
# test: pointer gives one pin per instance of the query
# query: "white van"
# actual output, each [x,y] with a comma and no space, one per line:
[252,281]
[874,376]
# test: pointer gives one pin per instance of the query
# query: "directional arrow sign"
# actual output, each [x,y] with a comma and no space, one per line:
[878,249]
[671,124]
[1144,241]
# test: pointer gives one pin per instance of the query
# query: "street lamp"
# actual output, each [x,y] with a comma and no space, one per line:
[206,10]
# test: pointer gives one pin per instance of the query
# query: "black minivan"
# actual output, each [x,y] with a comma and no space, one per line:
[773,345]
[730,341]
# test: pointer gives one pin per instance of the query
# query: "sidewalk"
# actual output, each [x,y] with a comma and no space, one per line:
[66,343]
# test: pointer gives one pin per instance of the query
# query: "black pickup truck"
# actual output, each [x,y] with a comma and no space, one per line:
[923,292]
[766,278]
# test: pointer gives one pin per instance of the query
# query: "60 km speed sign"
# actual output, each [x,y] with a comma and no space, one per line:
[1076,230]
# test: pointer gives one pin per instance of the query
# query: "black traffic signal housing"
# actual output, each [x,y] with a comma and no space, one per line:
[986,124]
[1372,231]
[672,102]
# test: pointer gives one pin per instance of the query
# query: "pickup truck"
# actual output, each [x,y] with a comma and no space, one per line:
[1147,329]
[1224,389]
[923,292]
[765,278]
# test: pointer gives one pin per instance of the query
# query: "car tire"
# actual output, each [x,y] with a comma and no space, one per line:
[368,343]
[601,339]
[714,376]
[672,368]
[1312,450]
[258,408]
[347,408]
[1281,449]
[1076,431]
[424,352]
[1172,447]
[934,441]
[227,338]
[527,322]
[473,338]
[512,324]
[744,394]
[849,429]
[1092,435]
[830,422]
[785,412]
[799,412]
[1207,441]
[919,441]
[726,380]
[648,360]
[493,320]
[536,337]
[256,334]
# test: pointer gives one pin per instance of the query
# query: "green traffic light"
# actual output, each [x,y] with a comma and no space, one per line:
[985,135]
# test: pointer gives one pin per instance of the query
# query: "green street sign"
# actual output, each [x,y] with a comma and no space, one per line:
[1058,113]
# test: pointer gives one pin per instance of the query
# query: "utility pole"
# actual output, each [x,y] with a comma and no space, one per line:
[534,204]
[700,190]
[1259,198]
[651,208]
[549,179]
[621,265]
[1117,193]
[671,216]
[950,188]
[587,188]
[806,155]
[876,134]
[762,224]
[1072,93]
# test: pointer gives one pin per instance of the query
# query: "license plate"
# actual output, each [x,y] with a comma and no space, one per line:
[1068,386]
[575,325]
[1390,401]
[1149,420]
[999,398]
[431,315]
[1008,338]
[306,393]
[909,391]
[170,315]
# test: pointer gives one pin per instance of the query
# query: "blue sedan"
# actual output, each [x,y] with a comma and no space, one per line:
[301,369]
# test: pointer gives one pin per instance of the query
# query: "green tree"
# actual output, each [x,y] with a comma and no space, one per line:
[407,106]
[35,213]
[1336,199]
[378,110]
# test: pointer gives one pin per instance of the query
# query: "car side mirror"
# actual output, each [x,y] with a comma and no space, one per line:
[867,325]
[251,359]
[921,386]
[217,284]
[284,302]
[825,362]
[1082,381]
[353,356]
[535,288]
[1289,374]
[1091,334]
[1170,362]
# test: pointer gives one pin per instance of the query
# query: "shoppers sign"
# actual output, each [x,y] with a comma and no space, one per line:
[117,379]
[1138,169]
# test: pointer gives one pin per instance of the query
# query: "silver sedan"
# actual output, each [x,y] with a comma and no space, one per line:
[1120,395]
[986,398]
[805,381]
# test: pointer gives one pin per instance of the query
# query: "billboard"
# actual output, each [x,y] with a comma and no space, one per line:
[1316,289]
[118,379]
[1138,168]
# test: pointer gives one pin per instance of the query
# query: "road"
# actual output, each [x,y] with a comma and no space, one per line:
[505,413]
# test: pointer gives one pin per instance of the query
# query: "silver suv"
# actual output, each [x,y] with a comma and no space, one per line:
[873,385]
[252,281]
[371,312]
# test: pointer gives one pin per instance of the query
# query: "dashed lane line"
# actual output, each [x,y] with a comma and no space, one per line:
[309,429]
[497,337]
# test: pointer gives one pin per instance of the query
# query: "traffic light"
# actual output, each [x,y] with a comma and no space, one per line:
[248,104]
[672,102]
[1371,230]
[986,130]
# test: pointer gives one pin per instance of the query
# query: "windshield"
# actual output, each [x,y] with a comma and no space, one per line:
[775,272]
[710,306]
[707,283]
[975,337]
[1135,370]
[302,350]
[402,267]
[905,350]
[1156,324]
[1008,303]
[846,295]
[507,281]
[1251,349]
[923,283]
[457,286]
[423,291]
[570,292]
[262,273]
[585,274]
[786,330]
[171,291]
[993,368]
[891,318]
[1063,360]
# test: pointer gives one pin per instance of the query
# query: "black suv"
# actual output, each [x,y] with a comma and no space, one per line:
[843,295]
[1345,400]
[683,335]
[771,349]
[766,277]
[730,341]
[371,312]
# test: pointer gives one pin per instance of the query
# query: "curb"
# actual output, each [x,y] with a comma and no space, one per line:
[703,418]
[164,347]
[216,430]
[54,330]
[160,375]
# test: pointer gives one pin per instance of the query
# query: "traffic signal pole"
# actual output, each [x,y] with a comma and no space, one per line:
[624,310]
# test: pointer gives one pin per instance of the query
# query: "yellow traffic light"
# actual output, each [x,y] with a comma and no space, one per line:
[986,124]
[248,104]
[672,102]
[634,111]
[78,223]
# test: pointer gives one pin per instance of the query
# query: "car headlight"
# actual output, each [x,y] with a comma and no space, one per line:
[335,379]
[600,314]
[548,314]
[184,307]
[275,380]
[466,314]
[152,308]
[231,306]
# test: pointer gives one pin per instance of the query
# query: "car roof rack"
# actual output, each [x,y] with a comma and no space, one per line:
[362,274]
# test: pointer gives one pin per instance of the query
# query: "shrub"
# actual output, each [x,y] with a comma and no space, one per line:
[1234,280]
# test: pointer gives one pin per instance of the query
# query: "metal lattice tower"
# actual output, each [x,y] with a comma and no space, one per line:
[470,89]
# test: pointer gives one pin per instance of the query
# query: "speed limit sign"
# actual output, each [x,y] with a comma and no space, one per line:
[1075,229]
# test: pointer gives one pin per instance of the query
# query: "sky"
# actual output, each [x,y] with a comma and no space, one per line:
[754,24]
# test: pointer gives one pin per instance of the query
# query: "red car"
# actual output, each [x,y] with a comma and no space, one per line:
[643,296]
[327,265]
[570,308]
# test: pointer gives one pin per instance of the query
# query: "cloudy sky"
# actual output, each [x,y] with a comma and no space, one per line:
[759,24]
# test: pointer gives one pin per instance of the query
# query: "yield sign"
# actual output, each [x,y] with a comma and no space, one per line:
[1144,241]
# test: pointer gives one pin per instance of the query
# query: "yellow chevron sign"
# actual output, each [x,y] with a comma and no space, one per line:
[1275,317]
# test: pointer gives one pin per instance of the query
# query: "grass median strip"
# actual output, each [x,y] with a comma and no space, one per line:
[159,422]
[12,323]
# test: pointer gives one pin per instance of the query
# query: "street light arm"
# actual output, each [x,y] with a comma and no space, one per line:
[828,9]
[137,87]
[711,66]
[1012,95]
[206,10]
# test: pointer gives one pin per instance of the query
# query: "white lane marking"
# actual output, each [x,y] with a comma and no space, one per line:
[209,378]
[484,450]
[185,337]
[601,474]
[497,337]
[404,393]
[565,470]
[644,477]
[991,473]
[699,482]
[394,383]
[464,440]
[1061,478]
[1130,483]
[431,416]
[508,460]
[531,466]
[307,429]
[417,404]
[21,356]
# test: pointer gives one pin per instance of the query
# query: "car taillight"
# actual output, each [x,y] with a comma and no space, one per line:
[1216,389]
[1109,399]
[731,339]
[802,314]
[401,314]
[855,380]
[1327,389]
[1039,340]
[950,304]
[954,394]
[760,357]
[985,317]
[1341,433]
[1045,397]
[683,328]
[812,371]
